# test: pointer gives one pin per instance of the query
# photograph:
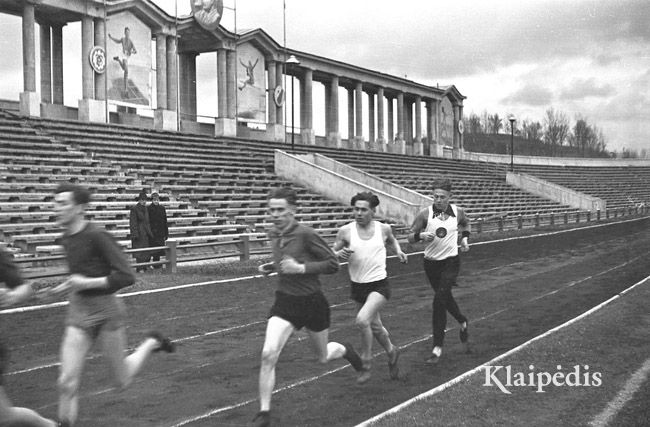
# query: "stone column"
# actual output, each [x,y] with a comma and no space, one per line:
[191,71]
[29,99]
[408,126]
[430,107]
[184,86]
[381,139]
[461,136]
[100,78]
[390,132]
[57,64]
[399,141]
[454,130]
[46,64]
[306,108]
[274,131]
[90,108]
[333,135]
[350,118]
[279,81]
[418,147]
[371,121]
[172,75]
[164,117]
[226,123]
[161,71]
[358,115]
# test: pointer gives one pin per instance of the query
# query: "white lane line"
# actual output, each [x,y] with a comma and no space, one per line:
[471,372]
[238,279]
[632,385]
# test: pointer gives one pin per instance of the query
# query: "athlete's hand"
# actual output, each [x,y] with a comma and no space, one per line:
[266,268]
[289,265]
[403,258]
[344,254]
[464,245]
[427,236]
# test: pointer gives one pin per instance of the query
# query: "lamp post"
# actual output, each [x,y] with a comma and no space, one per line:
[511,118]
[292,61]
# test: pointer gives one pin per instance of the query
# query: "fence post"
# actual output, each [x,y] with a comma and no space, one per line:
[606,213]
[577,217]
[172,245]
[500,223]
[479,225]
[552,218]
[244,248]
[566,217]
[537,220]
[598,215]
[588,216]
[520,222]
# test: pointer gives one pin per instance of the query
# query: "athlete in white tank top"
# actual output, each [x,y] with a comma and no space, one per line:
[363,244]
[367,263]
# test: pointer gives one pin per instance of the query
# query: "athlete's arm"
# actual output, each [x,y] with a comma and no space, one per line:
[392,242]
[325,260]
[464,228]
[419,225]
[341,246]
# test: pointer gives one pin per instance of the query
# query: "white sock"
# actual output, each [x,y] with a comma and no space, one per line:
[437,351]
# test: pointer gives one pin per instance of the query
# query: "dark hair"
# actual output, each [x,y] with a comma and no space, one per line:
[154,194]
[366,196]
[80,195]
[442,184]
[286,193]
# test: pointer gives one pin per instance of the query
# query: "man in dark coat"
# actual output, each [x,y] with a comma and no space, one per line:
[159,228]
[140,230]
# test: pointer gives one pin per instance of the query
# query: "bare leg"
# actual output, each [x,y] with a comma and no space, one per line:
[12,415]
[125,368]
[325,351]
[278,332]
[74,348]
[367,315]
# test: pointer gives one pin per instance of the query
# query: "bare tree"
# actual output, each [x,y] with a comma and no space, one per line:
[495,123]
[556,129]
[532,130]
[474,124]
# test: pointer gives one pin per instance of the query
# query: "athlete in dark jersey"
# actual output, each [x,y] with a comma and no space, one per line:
[13,292]
[98,269]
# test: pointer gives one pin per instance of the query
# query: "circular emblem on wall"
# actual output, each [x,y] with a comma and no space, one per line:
[207,13]
[461,127]
[441,232]
[278,96]
[97,58]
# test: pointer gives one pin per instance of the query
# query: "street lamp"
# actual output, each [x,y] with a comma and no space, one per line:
[292,61]
[512,142]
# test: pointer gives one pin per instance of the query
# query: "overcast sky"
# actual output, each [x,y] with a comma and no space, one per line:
[587,58]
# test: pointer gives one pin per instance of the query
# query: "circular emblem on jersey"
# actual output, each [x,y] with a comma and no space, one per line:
[441,232]
[97,58]
[278,96]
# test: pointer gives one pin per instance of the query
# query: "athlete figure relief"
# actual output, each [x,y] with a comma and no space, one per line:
[128,49]
[250,75]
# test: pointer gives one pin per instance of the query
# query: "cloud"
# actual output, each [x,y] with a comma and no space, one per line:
[530,95]
[584,88]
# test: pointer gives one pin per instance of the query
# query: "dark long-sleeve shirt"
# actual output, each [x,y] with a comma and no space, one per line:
[308,248]
[95,253]
[9,273]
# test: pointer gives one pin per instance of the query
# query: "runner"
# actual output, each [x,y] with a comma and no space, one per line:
[363,244]
[98,269]
[438,227]
[299,256]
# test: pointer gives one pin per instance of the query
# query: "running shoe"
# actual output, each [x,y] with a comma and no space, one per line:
[352,356]
[165,344]
[393,368]
[262,419]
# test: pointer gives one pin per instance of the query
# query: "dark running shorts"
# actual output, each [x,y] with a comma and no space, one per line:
[360,291]
[442,274]
[309,311]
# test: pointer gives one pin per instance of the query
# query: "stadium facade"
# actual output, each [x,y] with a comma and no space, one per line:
[117,69]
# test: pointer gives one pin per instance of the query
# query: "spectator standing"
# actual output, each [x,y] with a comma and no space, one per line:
[140,229]
[158,225]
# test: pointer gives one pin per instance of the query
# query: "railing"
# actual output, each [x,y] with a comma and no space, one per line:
[54,265]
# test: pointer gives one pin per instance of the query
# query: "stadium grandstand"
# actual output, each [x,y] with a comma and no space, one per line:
[213,175]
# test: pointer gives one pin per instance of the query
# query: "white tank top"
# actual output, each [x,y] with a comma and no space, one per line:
[368,261]
[442,247]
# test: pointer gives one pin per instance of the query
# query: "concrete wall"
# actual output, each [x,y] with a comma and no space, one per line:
[552,161]
[555,192]
[340,182]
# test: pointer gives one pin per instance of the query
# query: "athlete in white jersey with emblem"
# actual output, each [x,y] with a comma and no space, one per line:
[438,227]
[363,244]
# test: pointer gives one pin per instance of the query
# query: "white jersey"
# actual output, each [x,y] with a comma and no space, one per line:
[445,244]
[368,261]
